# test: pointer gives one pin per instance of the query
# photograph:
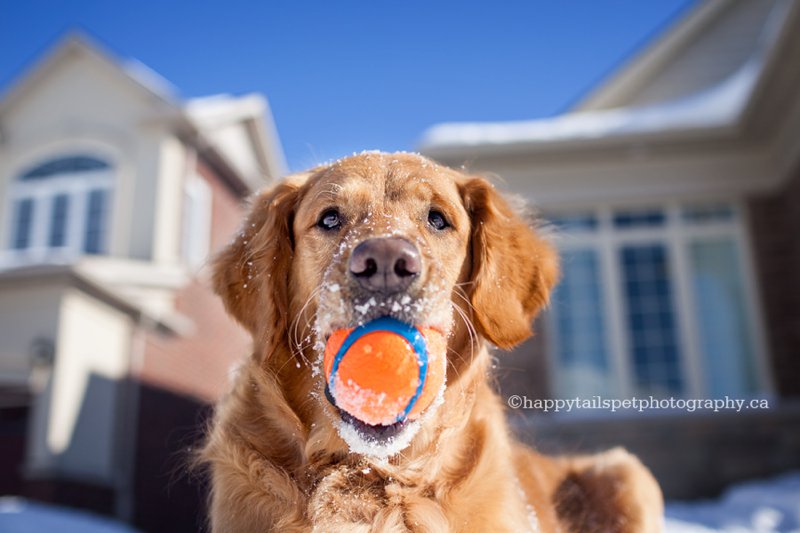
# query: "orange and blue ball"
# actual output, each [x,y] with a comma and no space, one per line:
[385,371]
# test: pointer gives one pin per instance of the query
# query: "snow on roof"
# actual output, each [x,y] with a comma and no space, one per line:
[715,107]
[222,109]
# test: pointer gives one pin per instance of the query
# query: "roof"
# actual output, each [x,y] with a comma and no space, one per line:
[77,276]
[230,122]
[700,49]
[198,121]
[714,108]
[133,72]
[719,109]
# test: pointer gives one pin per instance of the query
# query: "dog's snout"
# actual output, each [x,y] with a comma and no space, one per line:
[386,265]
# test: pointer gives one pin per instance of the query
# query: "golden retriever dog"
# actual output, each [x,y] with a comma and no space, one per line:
[445,251]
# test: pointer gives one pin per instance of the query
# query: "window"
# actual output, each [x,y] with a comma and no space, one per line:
[58,221]
[196,221]
[725,335]
[632,218]
[577,307]
[23,217]
[95,215]
[575,221]
[653,301]
[647,295]
[60,208]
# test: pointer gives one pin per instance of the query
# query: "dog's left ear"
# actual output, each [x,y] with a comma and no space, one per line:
[251,275]
[512,268]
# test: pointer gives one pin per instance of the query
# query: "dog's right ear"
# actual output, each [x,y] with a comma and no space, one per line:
[251,275]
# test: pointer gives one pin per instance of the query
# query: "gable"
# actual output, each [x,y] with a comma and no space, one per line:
[75,92]
[242,128]
[702,51]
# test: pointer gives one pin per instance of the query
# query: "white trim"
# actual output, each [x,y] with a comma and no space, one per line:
[78,227]
[618,332]
[551,347]
[689,354]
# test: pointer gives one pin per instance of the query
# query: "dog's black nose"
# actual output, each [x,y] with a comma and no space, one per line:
[386,265]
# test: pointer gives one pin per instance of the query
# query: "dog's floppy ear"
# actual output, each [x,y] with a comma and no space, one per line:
[512,268]
[252,273]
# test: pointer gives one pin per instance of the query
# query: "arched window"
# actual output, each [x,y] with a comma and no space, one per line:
[61,208]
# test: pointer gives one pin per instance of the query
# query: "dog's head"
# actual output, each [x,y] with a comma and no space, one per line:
[378,235]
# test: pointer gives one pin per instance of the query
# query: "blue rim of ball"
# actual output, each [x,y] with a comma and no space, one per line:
[408,332]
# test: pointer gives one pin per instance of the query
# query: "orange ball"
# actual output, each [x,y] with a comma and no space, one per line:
[385,371]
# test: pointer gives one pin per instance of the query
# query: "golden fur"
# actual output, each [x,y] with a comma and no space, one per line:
[277,461]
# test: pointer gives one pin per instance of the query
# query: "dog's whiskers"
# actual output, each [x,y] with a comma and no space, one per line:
[458,291]
[473,334]
[297,336]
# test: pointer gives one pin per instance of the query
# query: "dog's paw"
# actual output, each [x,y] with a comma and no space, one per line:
[611,492]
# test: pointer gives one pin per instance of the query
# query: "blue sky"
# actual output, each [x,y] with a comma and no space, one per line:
[346,76]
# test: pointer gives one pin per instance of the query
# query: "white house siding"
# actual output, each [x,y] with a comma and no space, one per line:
[75,417]
[28,311]
[88,106]
[721,34]
[716,54]
[628,174]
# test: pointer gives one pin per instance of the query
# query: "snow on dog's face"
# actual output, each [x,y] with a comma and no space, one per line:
[380,235]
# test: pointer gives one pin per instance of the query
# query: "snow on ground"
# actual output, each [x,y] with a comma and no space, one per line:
[770,506]
[18,515]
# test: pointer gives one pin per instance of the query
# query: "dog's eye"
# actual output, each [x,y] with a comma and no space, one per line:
[437,221]
[330,220]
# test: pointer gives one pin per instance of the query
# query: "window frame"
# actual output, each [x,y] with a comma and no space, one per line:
[77,186]
[675,235]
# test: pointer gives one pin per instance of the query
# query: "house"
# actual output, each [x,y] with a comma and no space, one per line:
[112,346]
[673,192]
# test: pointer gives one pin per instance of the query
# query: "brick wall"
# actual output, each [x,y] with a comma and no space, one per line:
[169,494]
[693,455]
[775,226]
[182,375]
[197,364]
